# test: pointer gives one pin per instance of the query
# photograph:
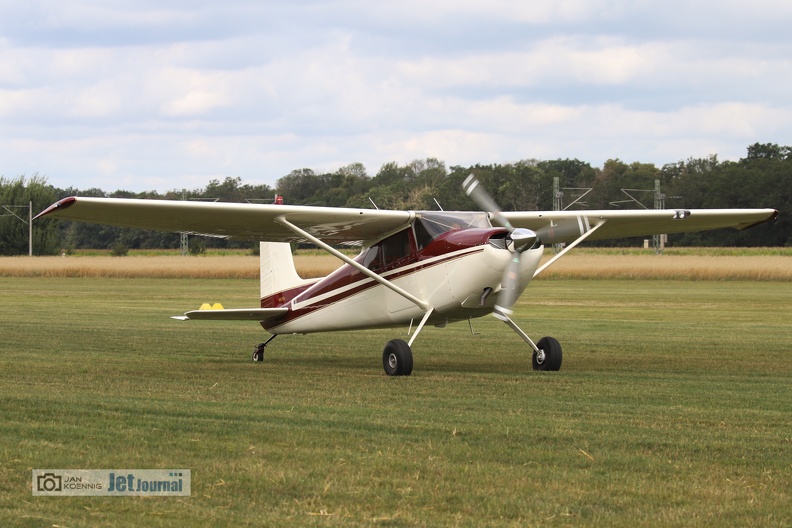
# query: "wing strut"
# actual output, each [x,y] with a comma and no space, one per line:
[364,270]
[577,241]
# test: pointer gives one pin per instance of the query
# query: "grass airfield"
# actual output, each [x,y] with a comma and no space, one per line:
[672,408]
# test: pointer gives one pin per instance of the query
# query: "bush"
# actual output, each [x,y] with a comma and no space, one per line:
[197,247]
[119,250]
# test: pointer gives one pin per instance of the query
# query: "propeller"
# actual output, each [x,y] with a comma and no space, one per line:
[517,241]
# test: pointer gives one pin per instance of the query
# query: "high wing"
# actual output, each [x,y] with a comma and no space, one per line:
[567,226]
[333,225]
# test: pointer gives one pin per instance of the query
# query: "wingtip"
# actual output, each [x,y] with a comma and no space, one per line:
[772,216]
[59,205]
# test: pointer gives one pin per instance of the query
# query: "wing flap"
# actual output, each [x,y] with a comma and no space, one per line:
[234,314]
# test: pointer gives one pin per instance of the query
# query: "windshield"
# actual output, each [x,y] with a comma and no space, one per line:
[437,223]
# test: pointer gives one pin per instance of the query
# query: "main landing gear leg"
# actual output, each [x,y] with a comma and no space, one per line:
[546,353]
[258,352]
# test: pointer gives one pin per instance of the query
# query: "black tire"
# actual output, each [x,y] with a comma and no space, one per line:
[258,354]
[551,359]
[397,358]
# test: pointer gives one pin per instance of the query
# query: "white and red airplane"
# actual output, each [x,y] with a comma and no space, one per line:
[425,266]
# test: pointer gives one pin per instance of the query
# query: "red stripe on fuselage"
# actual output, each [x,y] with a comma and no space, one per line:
[347,279]
[282,298]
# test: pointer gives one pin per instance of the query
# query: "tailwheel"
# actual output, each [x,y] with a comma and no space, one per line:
[397,358]
[258,352]
[548,357]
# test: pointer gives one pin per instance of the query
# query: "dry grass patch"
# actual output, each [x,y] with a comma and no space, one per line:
[213,267]
[676,267]
[131,267]
[582,264]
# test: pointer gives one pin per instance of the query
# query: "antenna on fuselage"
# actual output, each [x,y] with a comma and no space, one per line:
[438,204]
[372,203]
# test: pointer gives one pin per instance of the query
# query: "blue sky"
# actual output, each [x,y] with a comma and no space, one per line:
[159,95]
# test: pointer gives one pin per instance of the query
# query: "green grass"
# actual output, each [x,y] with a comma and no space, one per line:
[672,408]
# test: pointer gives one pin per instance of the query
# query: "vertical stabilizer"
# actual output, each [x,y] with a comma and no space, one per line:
[277,268]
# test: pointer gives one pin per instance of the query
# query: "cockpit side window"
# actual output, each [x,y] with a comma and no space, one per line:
[422,236]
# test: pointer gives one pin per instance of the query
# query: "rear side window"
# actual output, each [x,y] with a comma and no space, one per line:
[386,252]
[396,247]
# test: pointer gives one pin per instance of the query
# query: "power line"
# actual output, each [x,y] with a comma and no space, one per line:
[28,222]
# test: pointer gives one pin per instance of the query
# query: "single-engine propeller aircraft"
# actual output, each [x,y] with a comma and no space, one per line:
[433,267]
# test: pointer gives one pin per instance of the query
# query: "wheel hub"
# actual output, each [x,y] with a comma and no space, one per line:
[392,361]
[540,356]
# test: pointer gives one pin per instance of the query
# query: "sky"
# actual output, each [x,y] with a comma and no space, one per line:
[169,94]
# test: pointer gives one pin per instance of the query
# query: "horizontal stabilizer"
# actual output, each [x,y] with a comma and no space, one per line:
[238,314]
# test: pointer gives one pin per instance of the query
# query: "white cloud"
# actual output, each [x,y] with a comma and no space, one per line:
[190,94]
[176,93]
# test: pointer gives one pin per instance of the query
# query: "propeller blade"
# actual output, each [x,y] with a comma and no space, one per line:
[519,240]
[482,198]
[508,294]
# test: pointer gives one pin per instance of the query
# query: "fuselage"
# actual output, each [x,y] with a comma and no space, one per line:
[453,264]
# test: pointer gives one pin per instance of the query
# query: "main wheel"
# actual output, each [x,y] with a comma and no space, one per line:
[397,358]
[549,355]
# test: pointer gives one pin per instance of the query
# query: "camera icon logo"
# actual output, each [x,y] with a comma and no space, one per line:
[49,482]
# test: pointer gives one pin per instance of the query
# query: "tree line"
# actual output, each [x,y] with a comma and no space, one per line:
[762,179]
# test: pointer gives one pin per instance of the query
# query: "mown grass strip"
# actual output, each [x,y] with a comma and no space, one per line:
[672,407]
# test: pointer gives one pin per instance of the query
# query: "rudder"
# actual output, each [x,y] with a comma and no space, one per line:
[277,268]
